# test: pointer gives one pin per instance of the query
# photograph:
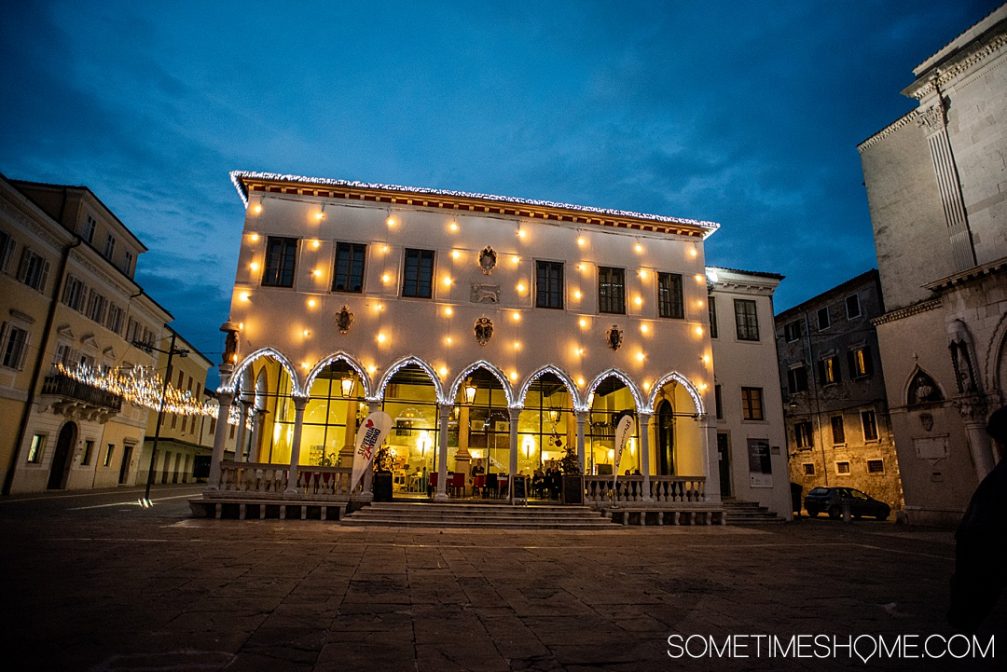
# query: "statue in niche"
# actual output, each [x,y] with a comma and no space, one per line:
[487,260]
[613,337]
[963,367]
[482,293]
[483,330]
[923,390]
[344,318]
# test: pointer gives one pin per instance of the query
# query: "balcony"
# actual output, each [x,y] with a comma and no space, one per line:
[77,400]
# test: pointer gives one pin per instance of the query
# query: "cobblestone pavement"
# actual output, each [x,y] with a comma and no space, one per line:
[99,584]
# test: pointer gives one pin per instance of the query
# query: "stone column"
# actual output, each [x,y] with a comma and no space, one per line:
[973,410]
[708,432]
[443,414]
[512,465]
[295,448]
[253,448]
[581,448]
[644,428]
[239,443]
[219,439]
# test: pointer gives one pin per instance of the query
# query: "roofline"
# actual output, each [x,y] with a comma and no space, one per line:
[86,190]
[392,195]
[760,274]
[871,274]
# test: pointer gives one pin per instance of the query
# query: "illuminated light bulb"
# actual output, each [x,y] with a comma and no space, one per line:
[381,337]
[693,252]
[513,375]
[517,345]
[515,259]
[520,232]
[378,307]
[455,254]
[521,287]
[577,295]
[638,248]
[448,340]
[448,311]
[646,385]
[642,273]
[644,328]
[316,273]
[241,326]
[447,281]
[640,356]
[306,333]
[245,296]
[312,303]
[581,241]
[582,322]
[516,316]
[386,278]
[706,359]
[700,303]
[305,365]
[254,266]
[320,215]
[699,277]
[580,381]
[698,330]
[254,237]
[371,369]
[315,244]
[638,300]
[453,227]
[385,248]
[391,221]
[580,352]
[257,209]
[443,371]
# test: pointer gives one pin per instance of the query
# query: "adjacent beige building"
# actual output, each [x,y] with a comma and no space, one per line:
[936,189]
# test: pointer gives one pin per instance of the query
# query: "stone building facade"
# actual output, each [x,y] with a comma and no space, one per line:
[935,183]
[836,410]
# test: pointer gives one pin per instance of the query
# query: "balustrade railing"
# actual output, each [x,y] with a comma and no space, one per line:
[263,478]
[630,489]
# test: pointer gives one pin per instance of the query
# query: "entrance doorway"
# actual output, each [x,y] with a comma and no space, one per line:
[61,457]
[665,439]
[127,455]
[724,463]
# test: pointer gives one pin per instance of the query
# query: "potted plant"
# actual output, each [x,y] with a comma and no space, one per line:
[573,480]
[382,483]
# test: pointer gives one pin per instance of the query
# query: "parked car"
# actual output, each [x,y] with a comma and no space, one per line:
[830,500]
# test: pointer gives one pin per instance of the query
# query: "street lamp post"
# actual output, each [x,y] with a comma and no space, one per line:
[171,352]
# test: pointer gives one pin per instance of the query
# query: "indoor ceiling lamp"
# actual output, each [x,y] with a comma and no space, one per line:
[346,385]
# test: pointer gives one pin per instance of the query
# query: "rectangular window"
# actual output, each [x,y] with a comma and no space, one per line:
[6,250]
[281,260]
[348,275]
[793,330]
[860,363]
[712,302]
[108,455]
[611,290]
[127,263]
[15,346]
[751,403]
[746,319]
[89,226]
[838,431]
[548,284]
[718,401]
[797,379]
[74,293]
[802,435]
[114,322]
[852,307]
[870,423]
[109,247]
[875,466]
[36,449]
[843,467]
[63,354]
[669,295]
[809,469]
[34,270]
[85,459]
[96,307]
[759,460]
[823,319]
[418,274]
[828,371]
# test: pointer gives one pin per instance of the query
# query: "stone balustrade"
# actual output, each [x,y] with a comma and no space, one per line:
[272,479]
[630,489]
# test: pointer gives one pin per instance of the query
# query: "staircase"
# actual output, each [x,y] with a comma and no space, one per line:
[496,516]
[740,512]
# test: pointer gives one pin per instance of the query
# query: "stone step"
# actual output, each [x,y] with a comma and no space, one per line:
[428,514]
[476,523]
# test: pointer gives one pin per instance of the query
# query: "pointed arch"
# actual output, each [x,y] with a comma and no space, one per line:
[624,379]
[397,365]
[541,371]
[481,364]
[677,377]
[231,385]
[914,393]
[365,380]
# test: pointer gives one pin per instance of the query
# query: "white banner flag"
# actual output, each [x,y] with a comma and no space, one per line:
[622,432]
[371,434]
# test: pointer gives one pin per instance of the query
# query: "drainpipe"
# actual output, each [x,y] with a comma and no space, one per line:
[8,480]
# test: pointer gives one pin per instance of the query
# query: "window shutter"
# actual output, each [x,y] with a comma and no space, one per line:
[868,361]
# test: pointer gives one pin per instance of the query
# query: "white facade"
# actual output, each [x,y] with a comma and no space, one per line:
[547,378]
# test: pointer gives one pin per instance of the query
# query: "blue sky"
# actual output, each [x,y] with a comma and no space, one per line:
[745,113]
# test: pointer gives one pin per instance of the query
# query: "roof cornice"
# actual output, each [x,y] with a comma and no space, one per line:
[247,183]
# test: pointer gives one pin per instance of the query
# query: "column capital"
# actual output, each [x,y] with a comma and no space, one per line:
[300,402]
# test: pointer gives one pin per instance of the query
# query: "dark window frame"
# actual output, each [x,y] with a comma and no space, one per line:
[281,261]
[418,273]
[752,404]
[745,321]
[349,267]
[838,437]
[611,290]
[549,284]
[670,300]
[711,302]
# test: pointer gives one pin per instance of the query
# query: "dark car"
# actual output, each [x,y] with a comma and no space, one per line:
[830,500]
